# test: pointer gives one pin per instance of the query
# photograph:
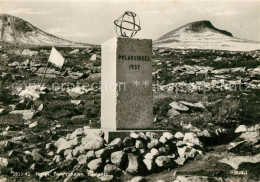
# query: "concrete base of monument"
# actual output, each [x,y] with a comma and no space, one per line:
[110,135]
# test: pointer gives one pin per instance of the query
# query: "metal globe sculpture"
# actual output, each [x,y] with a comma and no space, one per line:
[127,25]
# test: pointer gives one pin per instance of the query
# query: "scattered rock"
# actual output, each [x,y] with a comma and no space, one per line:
[102,153]
[28,52]
[163,161]
[93,57]
[3,162]
[128,142]
[163,140]
[40,108]
[187,152]
[62,144]
[111,169]
[178,106]
[154,151]
[133,164]
[116,143]
[14,64]
[235,161]
[118,158]
[149,164]
[149,156]
[198,105]
[30,92]
[134,135]
[34,124]
[153,143]
[36,156]
[75,92]
[27,114]
[139,144]
[84,158]
[172,113]
[179,136]
[152,135]
[76,102]
[2,111]
[95,164]
[241,129]
[138,179]
[192,138]
[75,51]
[78,118]
[180,161]
[106,178]
[93,143]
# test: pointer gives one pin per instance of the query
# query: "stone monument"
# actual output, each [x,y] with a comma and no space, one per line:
[126,81]
[126,84]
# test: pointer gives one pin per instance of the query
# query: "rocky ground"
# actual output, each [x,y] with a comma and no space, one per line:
[208,99]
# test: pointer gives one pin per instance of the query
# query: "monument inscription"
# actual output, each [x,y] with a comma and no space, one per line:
[127,62]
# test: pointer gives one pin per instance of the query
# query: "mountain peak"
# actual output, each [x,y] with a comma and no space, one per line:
[196,27]
[203,35]
[205,24]
[18,31]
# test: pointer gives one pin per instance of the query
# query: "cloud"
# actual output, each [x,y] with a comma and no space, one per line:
[28,11]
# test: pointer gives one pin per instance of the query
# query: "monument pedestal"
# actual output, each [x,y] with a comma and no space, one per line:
[126,86]
[111,135]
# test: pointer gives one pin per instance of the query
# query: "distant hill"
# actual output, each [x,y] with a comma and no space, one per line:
[203,35]
[18,31]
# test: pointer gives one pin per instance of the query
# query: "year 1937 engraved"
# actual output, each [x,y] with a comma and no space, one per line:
[134,67]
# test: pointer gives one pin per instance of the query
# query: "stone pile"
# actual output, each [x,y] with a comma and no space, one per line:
[139,153]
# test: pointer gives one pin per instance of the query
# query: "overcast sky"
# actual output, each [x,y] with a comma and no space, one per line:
[91,21]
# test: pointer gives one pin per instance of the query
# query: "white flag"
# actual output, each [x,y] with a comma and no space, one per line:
[56,58]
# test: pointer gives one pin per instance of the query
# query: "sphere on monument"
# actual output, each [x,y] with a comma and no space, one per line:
[127,25]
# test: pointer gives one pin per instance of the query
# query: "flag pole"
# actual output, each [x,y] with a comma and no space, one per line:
[44,73]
